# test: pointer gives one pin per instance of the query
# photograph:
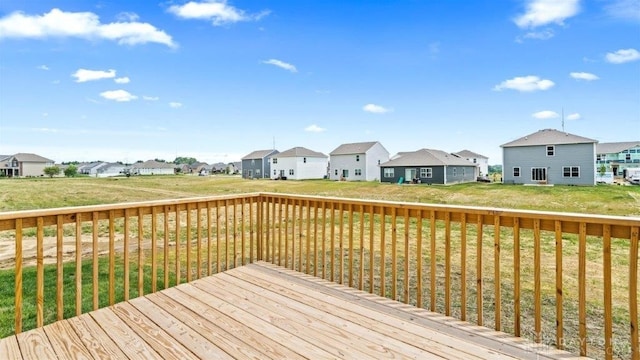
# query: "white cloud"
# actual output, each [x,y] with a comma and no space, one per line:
[624,9]
[118,95]
[43,67]
[175,105]
[574,116]
[216,11]
[376,109]
[127,16]
[281,64]
[85,25]
[546,114]
[122,80]
[525,84]
[84,75]
[545,34]
[544,12]
[314,128]
[623,56]
[583,76]
[150,98]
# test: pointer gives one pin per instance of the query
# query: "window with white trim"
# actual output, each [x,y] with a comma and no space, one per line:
[539,174]
[516,171]
[454,172]
[357,157]
[389,172]
[274,160]
[551,150]
[290,172]
[571,171]
[358,172]
[426,173]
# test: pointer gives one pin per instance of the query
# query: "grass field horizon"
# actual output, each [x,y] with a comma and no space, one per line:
[42,193]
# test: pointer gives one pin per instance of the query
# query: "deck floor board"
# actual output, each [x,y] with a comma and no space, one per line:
[263,311]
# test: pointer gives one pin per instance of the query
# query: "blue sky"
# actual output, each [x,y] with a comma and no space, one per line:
[215,80]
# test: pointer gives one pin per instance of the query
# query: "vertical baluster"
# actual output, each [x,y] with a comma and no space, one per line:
[516,277]
[372,251]
[324,239]
[59,268]
[242,228]
[333,239]
[272,223]
[479,299]
[286,233]
[140,253]
[463,266]
[209,229]
[633,293]
[251,232]
[94,220]
[608,313]
[582,288]
[341,244]
[432,256]
[280,200]
[394,255]
[78,264]
[18,281]
[447,263]
[219,237]
[112,257]
[407,256]
[40,272]
[537,294]
[350,251]
[383,260]
[361,256]
[419,260]
[234,229]
[188,243]
[559,317]
[496,272]
[315,239]
[226,233]
[165,211]
[154,251]
[178,238]
[199,240]
[125,244]
[308,238]
[300,219]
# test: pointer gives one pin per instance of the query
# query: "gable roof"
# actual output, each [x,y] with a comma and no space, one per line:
[28,157]
[615,147]
[548,137]
[427,157]
[469,154]
[152,164]
[259,154]
[299,152]
[353,148]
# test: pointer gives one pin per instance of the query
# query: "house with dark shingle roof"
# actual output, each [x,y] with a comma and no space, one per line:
[357,161]
[299,163]
[480,160]
[24,164]
[427,166]
[257,164]
[618,156]
[549,157]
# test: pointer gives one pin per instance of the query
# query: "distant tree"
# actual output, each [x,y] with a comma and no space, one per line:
[602,169]
[160,160]
[185,160]
[71,171]
[51,171]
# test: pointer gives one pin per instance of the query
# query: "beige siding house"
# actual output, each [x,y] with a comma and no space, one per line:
[23,165]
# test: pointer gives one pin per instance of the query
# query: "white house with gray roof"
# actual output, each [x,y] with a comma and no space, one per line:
[357,161]
[152,167]
[480,160]
[257,164]
[427,166]
[299,163]
[549,157]
[23,164]
[618,156]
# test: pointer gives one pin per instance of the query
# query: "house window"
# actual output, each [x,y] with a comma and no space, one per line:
[571,171]
[454,172]
[378,161]
[538,174]
[304,160]
[475,160]
[290,172]
[627,157]
[426,173]
[336,173]
[463,172]
[358,172]
[388,172]
[274,172]
[275,161]
[253,162]
[516,172]
[357,157]
[601,157]
[257,171]
[551,150]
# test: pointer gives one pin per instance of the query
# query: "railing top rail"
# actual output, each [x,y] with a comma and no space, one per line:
[543,215]
[9,215]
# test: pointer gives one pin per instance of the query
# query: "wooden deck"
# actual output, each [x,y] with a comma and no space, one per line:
[262,311]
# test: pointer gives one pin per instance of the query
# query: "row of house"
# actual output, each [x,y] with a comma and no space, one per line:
[545,157]
[366,161]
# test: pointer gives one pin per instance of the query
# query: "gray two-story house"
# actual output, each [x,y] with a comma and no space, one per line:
[257,165]
[549,157]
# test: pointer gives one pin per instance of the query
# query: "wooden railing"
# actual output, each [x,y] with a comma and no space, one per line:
[565,280]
